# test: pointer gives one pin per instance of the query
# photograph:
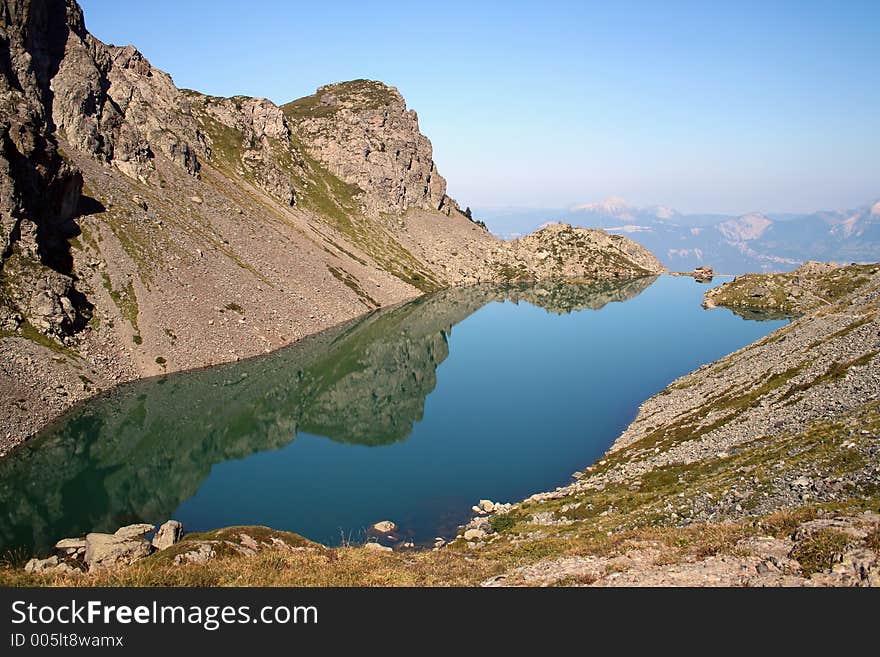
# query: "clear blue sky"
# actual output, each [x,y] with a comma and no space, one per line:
[703,106]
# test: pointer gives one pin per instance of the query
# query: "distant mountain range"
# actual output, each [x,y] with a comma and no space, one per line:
[730,244]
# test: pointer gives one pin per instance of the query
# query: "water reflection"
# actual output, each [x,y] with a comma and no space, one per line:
[136,453]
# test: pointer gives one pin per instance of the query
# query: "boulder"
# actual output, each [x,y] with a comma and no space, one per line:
[39,565]
[385,527]
[377,547]
[169,533]
[486,506]
[200,554]
[108,550]
[134,531]
[474,534]
[71,546]
[49,565]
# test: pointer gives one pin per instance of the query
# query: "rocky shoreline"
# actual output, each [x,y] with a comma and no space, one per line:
[761,469]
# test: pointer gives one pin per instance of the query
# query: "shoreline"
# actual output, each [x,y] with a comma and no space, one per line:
[466,515]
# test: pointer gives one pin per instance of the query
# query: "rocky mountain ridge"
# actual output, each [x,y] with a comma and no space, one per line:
[146,229]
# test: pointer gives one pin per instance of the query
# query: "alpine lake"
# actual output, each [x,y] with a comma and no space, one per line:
[410,414]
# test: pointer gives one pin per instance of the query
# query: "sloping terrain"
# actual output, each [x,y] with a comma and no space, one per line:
[810,286]
[146,229]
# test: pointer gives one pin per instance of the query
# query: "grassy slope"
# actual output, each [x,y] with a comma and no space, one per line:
[793,292]
[330,198]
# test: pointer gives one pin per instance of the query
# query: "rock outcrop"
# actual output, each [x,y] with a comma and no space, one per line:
[562,251]
[810,286]
[167,535]
[251,137]
[109,550]
[362,132]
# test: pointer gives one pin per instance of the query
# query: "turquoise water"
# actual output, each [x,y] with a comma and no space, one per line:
[411,414]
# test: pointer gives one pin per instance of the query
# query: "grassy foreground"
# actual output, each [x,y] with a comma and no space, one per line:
[600,523]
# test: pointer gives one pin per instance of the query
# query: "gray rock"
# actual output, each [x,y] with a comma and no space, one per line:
[134,531]
[200,554]
[108,550]
[486,506]
[384,526]
[50,565]
[377,547]
[71,545]
[40,565]
[169,533]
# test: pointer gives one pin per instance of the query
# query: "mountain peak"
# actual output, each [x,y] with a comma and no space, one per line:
[358,94]
[611,205]
[747,227]
[664,212]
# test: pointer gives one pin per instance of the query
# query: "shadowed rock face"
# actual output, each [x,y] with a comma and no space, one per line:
[135,454]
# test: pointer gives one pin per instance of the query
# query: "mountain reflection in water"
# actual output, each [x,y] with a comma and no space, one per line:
[138,452]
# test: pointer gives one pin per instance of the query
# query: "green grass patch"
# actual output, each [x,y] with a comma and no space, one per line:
[818,553]
[126,301]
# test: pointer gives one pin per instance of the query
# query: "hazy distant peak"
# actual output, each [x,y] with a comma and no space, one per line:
[663,212]
[611,205]
[754,217]
[747,227]
[622,210]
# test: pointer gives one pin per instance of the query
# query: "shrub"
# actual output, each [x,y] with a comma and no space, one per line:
[501,523]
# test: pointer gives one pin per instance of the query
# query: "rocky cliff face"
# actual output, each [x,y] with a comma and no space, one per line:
[362,131]
[146,229]
[40,191]
[104,100]
[60,83]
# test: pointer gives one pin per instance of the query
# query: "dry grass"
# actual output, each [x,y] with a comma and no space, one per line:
[281,567]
